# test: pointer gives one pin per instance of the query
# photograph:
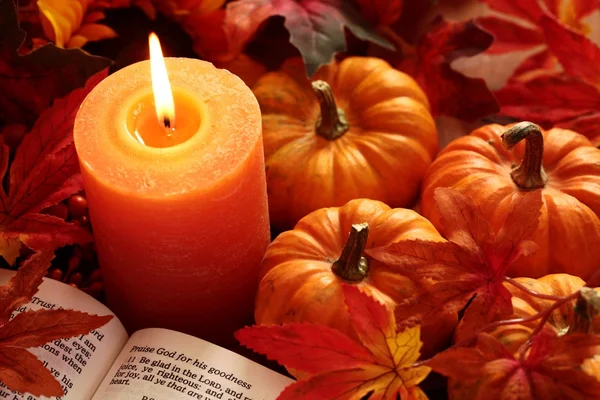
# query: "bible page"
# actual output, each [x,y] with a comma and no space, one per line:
[78,363]
[160,364]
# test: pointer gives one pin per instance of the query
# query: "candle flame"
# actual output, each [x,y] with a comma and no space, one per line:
[163,95]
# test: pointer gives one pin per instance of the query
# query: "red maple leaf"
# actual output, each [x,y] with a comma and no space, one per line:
[337,366]
[19,369]
[569,99]
[549,370]
[450,92]
[30,83]
[470,268]
[316,27]
[518,27]
[45,171]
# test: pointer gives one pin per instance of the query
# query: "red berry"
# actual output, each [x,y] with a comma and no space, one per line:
[56,274]
[81,221]
[77,206]
[76,278]
[95,276]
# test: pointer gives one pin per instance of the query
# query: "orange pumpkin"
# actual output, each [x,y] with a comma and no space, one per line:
[562,163]
[361,130]
[303,269]
[565,319]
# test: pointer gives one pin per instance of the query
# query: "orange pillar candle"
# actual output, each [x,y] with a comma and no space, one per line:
[177,201]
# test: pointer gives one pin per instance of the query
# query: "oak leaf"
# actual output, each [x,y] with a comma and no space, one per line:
[31,82]
[337,366]
[45,171]
[19,369]
[549,370]
[467,272]
[450,92]
[316,27]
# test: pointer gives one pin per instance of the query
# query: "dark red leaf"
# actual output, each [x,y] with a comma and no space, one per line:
[20,288]
[450,92]
[306,347]
[35,328]
[509,37]
[578,55]
[528,10]
[548,99]
[316,27]
[471,268]
[45,171]
[22,371]
[466,363]
[30,83]
[551,369]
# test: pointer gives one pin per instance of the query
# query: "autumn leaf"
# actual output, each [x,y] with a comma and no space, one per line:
[45,171]
[19,369]
[337,366]
[381,12]
[569,99]
[516,26]
[316,27]
[30,83]
[450,92]
[468,270]
[549,370]
[21,288]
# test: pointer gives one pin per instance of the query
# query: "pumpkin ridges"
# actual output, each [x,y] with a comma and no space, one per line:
[397,84]
[559,143]
[468,164]
[277,93]
[583,227]
[398,153]
[401,116]
[291,129]
[305,173]
[352,72]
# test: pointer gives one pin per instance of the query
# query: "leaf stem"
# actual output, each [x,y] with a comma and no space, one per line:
[530,174]
[352,266]
[530,292]
[333,123]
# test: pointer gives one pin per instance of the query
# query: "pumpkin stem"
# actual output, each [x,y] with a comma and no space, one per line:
[529,175]
[332,124]
[587,308]
[352,266]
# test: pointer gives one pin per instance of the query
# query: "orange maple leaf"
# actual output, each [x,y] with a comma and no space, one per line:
[551,369]
[19,369]
[469,270]
[339,367]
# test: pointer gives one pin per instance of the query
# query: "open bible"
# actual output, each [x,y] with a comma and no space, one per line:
[152,364]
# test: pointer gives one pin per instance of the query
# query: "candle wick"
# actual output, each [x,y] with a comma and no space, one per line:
[166,122]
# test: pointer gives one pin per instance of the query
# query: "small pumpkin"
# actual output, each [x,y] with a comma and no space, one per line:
[563,164]
[565,319]
[361,129]
[303,269]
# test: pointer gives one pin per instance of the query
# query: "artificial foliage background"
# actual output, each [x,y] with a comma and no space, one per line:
[508,330]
